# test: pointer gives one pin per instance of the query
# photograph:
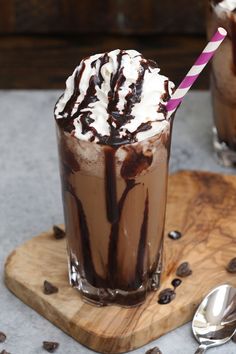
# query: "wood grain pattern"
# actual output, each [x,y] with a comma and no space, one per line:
[106,16]
[22,58]
[202,206]
[52,36]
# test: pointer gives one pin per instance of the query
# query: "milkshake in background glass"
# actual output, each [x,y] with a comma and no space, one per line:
[223,81]
[114,144]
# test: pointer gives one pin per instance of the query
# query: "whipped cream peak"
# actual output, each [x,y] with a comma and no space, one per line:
[114,98]
[227,4]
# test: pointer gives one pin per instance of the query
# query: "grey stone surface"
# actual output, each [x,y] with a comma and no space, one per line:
[30,202]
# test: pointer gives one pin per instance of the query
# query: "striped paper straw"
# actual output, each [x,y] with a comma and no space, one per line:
[196,69]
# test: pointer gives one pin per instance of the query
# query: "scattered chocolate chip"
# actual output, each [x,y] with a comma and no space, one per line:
[49,288]
[3,337]
[234,338]
[154,350]
[176,282]
[50,347]
[4,352]
[174,235]
[59,233]
[231,267]
[183,270]
[166,296]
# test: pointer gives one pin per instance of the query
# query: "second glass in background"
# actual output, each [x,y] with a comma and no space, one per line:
[223,82]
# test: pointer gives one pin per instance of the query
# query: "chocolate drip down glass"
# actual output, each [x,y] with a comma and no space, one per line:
[223,83]
[114,201]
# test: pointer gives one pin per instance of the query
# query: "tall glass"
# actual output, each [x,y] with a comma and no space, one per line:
[114,205]
[223,82]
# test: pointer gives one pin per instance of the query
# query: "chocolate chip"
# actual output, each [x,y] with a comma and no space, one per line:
[183,270]
[3,337]
[154,350]
[4,352]
[166,296]
[49,288]
[176,282]
[231,267]
[50,347]
[59,233]
[174,235]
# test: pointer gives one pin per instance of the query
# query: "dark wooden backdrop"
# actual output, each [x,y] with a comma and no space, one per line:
[41,41]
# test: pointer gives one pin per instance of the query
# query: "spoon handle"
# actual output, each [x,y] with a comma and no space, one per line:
[201,349]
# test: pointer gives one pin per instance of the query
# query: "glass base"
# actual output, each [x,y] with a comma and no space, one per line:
[226,156]
[106,296]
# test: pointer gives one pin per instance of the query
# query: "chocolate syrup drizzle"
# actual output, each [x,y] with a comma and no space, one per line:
[142,247]
[71,102]
[90,273]
[233,40]
[135,163]
[116,118]
[215,2]
[114,213]
[114,239]
[129,170]
[110,186]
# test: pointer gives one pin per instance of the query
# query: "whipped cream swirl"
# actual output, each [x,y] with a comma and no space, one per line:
[115,98]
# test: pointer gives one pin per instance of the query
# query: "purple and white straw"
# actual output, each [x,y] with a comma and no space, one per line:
[196,69]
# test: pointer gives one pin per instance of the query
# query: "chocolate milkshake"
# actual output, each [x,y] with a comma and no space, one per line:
[223,81]
[114,143]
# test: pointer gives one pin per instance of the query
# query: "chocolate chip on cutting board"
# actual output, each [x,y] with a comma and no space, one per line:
[183,270]
[231,267]
[58,232]
[49,288]
[166,296]
[175,235]
[176,282]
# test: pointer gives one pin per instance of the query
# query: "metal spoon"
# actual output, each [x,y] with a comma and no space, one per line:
[214,322]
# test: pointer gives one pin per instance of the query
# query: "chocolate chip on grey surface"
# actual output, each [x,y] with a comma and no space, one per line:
[3,337]
[49,288]
[154,350]
[166,296]
[183,270]
[58,232]
[231,267]
[50,347]
[4,352]
[175,235]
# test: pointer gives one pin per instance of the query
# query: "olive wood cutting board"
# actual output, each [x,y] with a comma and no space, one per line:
[202,206]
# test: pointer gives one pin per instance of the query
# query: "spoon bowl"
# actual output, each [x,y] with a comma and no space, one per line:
[214,322]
